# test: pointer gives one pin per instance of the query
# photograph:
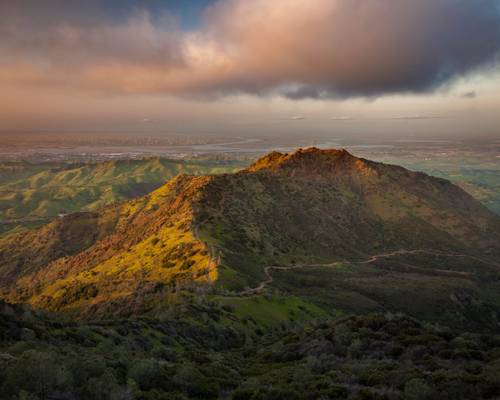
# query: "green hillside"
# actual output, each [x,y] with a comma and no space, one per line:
[32,194]
[477,175]
[341,234]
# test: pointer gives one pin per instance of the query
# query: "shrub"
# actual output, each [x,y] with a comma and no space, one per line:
[146,373]
[417,389]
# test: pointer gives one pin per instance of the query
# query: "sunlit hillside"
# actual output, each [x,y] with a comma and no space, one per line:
[31,194]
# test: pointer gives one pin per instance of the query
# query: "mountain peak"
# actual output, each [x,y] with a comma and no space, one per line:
[310,160]
[299,208]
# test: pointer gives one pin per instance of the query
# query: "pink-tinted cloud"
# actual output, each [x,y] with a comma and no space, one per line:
[295,48]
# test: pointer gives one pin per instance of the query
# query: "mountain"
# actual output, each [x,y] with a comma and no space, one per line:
[323,230]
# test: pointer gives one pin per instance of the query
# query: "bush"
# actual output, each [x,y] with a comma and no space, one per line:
[417,389]
[146,373]
[243,394]
[38,373]
[195,384]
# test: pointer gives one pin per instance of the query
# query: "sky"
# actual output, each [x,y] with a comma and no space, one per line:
[399,67]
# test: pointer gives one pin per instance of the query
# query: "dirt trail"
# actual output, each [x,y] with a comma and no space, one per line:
[269,278]
[435,253]
[215,259]
[393,254]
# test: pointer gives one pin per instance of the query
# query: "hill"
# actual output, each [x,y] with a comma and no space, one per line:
[478,173]
[328,232]
[33,194]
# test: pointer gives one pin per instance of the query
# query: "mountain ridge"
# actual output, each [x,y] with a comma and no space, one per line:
[318,208]
[31,194]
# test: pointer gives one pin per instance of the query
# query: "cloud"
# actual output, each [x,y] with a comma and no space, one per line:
[86,51]
[294,48]
[297,117]
[62,45]
[469,95]
[406,117]
[341,118]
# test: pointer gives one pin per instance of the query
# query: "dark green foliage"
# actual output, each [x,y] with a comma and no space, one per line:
[38,373]
[146,373]
[373,356]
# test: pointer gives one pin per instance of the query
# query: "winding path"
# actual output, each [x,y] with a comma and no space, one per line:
[269,278]
[435,253]
[215,259]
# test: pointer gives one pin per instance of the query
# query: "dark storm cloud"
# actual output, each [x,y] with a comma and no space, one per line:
[342,48]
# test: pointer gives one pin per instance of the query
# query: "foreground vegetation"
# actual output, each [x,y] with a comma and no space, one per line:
[208,352]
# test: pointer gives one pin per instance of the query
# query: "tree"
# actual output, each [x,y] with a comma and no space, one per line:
[38,373]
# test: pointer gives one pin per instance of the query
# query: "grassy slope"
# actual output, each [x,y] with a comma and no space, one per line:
[292,215]
[480,177]
[404,284]
[39,192]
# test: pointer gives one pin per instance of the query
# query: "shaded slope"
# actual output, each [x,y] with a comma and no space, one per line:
[356,236]
[28,251]
[326,205]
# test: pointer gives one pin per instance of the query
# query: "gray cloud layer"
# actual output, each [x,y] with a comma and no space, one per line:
[295,48]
